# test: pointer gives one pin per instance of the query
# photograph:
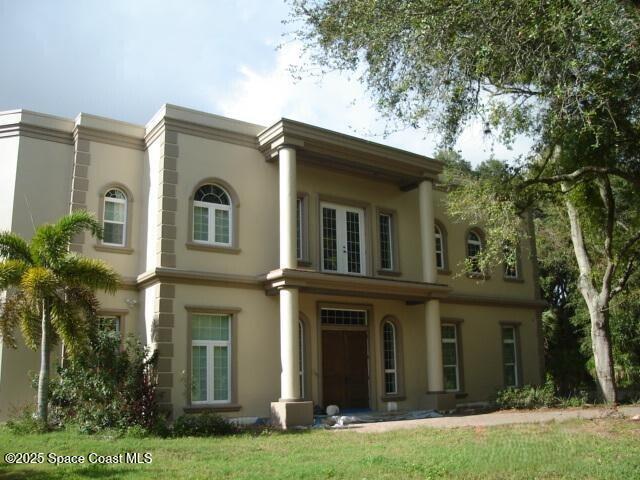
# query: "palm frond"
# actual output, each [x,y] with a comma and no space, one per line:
[38,282]
[88,272]
[14,247]
[10,316]
[51,241]
[31,323]
[11,272]
[73,317]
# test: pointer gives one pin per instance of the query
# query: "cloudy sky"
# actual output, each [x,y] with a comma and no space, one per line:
[125,58]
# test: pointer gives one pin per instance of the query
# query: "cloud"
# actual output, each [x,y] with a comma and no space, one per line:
[335,101]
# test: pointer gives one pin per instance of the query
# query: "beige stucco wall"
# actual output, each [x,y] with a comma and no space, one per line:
[258,361]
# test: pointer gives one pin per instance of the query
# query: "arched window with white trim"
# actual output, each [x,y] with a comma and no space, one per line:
[212,216]
[390,358]
[114,218]
[474,246]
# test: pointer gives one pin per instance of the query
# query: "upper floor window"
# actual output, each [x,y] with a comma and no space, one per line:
[212,220]
[114,219]
[386,241]
[511,271]
[439,248]
[343,242]
[474,246]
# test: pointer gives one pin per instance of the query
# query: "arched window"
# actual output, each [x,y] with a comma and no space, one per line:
[114,218]
[390,358]
[474,245]
[439,249]
[212,219]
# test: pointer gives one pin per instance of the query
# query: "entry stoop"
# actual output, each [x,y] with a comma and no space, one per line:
[287,415]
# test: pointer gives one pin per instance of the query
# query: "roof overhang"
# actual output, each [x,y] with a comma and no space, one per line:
[308,281]
[338,151]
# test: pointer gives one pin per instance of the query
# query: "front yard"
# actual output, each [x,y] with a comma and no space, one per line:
[605,448]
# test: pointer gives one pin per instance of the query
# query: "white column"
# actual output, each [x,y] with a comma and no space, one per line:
[429,274]
[288,194]
[289,339]
[427,232]
[289,345]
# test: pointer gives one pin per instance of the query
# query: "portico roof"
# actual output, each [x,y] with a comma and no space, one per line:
[311,281]
[335,150]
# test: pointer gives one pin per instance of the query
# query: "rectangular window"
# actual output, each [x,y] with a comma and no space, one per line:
[386,241]
[332,316]
[450,363]
[389,356]
[114,221]
[511,263]
[342,239]
[110,323]
[211,223]
[210,358]
[299,210]
[510,356]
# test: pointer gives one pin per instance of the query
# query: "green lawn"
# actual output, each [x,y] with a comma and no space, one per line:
[577,449]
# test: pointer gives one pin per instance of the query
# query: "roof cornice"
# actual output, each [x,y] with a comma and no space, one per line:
[345,152]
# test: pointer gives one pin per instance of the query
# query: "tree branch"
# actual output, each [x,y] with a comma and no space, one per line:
[581,172]
[606,193]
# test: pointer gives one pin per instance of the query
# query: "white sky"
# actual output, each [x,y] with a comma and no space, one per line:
[124,59]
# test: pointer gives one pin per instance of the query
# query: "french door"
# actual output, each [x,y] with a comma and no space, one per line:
[342,239]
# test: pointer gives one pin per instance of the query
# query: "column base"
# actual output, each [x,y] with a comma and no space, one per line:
[441,401]
[286,415]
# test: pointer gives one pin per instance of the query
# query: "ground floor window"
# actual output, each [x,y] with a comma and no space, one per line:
[211,358]
[390,358]
[510,356]
[301,356]
[450,358]
[110,323]
[332,316]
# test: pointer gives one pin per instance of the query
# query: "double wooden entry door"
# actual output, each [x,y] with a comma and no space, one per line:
[345,370]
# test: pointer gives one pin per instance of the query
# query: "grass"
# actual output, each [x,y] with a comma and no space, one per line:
[608,448]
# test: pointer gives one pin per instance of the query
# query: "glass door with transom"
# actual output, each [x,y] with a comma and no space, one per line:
[343,242]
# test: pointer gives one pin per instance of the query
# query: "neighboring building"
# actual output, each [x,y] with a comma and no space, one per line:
[274,269]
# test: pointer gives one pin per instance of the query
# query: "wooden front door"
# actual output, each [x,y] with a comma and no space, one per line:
[345,371]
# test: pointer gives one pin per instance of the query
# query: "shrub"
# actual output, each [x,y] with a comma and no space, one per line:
[26,422]
[202,425]
[529,397]
[108,388]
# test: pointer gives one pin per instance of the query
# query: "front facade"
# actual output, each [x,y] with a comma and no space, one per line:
[274,269]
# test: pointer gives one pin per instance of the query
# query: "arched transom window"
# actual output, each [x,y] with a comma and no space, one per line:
[390,358]
[474,245]
[114,221]
[212,216]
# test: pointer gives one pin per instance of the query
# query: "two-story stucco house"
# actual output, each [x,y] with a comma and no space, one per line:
[275,269]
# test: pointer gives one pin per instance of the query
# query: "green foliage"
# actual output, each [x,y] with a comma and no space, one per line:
[26,423]
[530,397]
[107,388]
[202,425]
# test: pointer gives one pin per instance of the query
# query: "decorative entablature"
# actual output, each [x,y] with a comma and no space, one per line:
[338,151]
[311,281]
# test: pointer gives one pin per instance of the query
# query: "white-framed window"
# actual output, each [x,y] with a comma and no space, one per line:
[114,221]
[511,263]
[301,356]
[343,242]
[510,356]
[450,362]
[439,248]
[212,219]
[299,228]
[385,224]
[474,246]
[390,358]
[210,358]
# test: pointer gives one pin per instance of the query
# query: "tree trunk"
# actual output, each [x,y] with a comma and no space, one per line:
[43,379]
[598,305]
[602,352]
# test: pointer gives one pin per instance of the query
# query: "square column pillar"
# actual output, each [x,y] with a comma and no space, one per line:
[435,397]
[290,410]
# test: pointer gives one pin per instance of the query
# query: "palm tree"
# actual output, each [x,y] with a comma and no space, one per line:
[50,293]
